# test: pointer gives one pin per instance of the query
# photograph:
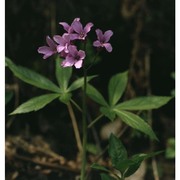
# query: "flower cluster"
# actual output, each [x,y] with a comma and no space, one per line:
[65,45]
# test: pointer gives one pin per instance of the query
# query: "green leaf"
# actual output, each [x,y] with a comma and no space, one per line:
[6,60]
[108,112]
[116,87]
[94,94]
[99,167]
[123,165]
[35,103]
[8,96]
[144,103]
[65,97]
[106,177]
[136,122]
[32,77]
[79,83]
[117,151]
[136,161]
[63,74]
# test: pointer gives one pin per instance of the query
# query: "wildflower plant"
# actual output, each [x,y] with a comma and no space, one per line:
[70,50]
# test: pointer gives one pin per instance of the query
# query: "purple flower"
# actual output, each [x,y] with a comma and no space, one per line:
[81,32]
[103,39]
[48,50]
[74,57]
[67,27]
[63,42]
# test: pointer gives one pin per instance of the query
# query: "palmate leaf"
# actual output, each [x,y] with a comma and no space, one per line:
[65,97]
[108,112]
[117,151]
[136,122]
[116,87]
[94,94]
[35,103]
[144,103]
[79,83]
[32,77]
[63,74]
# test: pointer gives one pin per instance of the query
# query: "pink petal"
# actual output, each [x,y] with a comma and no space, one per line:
[67,63]
[63,54]
[108,47]
[97,44]
[72,50]
[66,37]
[100,36]
[81,54]
[107,35]
[74,36]
[77,26]
[57,39]
[65,26]
[46,51]
[50,42]
[43,49]
[47,55]
[88,27]
[76,19]
[78,64]
[66,50]
[60,48]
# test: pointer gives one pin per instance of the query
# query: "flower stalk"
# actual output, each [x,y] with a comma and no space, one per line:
[95,120]
[64,45]
[84,127]
[75,127]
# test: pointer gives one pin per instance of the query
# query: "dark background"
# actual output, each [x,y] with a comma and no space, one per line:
[142,29]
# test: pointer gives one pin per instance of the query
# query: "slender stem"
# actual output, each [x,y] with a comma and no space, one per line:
[95,120]
[76,105]
[155,169]
[84,126]
[75,127]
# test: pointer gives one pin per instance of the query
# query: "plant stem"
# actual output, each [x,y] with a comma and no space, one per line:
[95,120]
[75,126]
[84,126]
[155,169]
[76,105]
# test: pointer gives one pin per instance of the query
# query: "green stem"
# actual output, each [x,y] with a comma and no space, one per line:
[75,126]
[95,120]
[76,105]
[84,126]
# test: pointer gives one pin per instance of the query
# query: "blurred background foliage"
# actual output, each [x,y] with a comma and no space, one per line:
[143,42]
